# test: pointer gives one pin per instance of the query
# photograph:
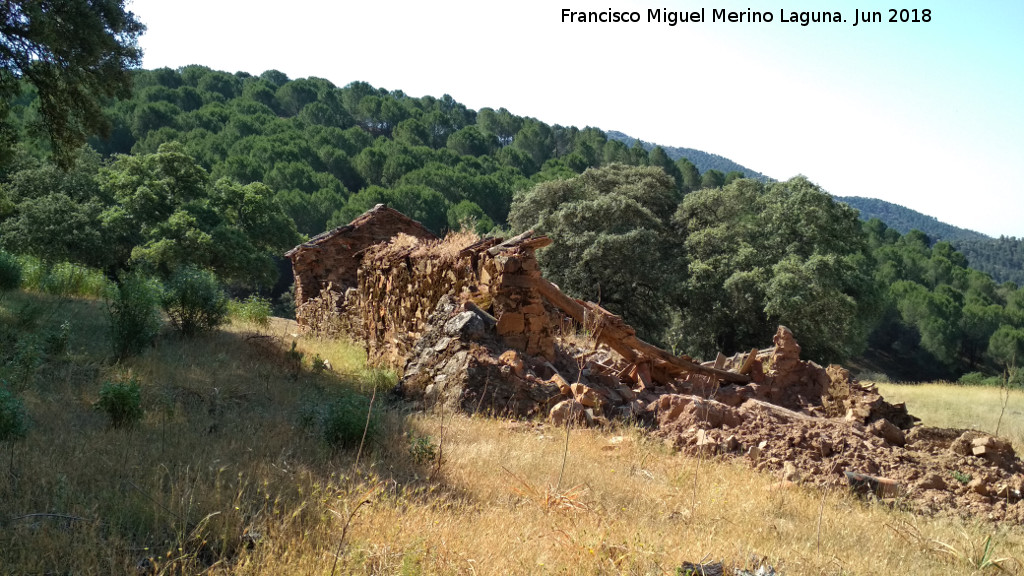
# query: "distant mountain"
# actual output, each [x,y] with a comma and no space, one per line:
[904,219]
[702,160]
[1000,258]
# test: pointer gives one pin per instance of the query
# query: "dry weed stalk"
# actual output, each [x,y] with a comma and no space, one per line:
[366,428]
[344,531]
[551,498]
[1004,391]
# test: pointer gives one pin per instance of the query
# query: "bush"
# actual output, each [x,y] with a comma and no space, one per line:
[66,279]
[253,310]
[63,278]
[134,315]
[26,362]
[979,379]
[122,402]
[10,272]
[13,417]
[194,301]
[422,449]
[340,422]
[56,342]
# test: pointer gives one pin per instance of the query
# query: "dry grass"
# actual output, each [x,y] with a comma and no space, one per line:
[220,479]
[954,406]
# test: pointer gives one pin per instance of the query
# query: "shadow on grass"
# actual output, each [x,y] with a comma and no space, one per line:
[235,449]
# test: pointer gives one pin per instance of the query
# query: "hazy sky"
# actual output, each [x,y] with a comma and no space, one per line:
[927,115]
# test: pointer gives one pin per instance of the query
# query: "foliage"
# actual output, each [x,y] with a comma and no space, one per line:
[53,214]
[25,363]
[63,278]
[133,308]
[762,255]
[75,55]
[940,318]
[1002,258]
[1007,345]
[121,402]
[194,301]
[13,417]
[167,215]
[422,448]
[340,421]
[703,161]
[979,379]
[612,239]
[903,220]
[253,310]
[10,272]
[56,342]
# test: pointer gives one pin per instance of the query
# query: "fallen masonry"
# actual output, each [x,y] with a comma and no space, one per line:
[471,324]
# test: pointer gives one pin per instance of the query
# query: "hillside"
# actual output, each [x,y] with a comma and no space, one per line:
[904,219]
[702,160]
[230,470]
[1001,258]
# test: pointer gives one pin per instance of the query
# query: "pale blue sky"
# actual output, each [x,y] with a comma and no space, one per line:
[927,115]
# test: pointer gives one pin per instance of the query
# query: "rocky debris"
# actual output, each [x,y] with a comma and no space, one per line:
[568,411]
[887,430]
[470,324]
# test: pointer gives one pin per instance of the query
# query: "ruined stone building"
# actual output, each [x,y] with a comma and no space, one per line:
[325,267]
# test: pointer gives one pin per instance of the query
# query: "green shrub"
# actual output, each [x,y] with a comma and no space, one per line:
[10,272]
[422,449]
[340,422]
[253,310]
[56,342]
[122,402]
[134,311]
[66,279]
[377,380]
[28,358]
[979,379]
[13,417]
[318,365]
[62,278]
[195,301]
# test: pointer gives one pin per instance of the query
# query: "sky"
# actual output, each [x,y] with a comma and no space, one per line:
[928,115]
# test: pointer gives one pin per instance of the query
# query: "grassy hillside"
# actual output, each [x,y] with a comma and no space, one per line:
[225,474]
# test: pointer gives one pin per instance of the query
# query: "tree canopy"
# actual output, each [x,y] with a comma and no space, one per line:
[74,54]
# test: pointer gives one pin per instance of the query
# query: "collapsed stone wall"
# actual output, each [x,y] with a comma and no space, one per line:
[471,325]
[401,283]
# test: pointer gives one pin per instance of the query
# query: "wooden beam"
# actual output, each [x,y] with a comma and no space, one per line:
[619,337]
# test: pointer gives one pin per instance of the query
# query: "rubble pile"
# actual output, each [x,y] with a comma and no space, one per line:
[470,324]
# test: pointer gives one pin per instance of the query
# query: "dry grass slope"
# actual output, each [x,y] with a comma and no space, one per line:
[221,478]
[955,406]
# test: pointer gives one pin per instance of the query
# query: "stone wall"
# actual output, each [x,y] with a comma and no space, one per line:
[327,265]
[402,281]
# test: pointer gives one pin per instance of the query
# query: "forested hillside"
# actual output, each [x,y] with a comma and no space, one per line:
[702,160]
[1001,258]
[223,172]
[904,220]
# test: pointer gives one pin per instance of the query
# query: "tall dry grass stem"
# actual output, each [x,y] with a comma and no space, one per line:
[366,428]
[344,531]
